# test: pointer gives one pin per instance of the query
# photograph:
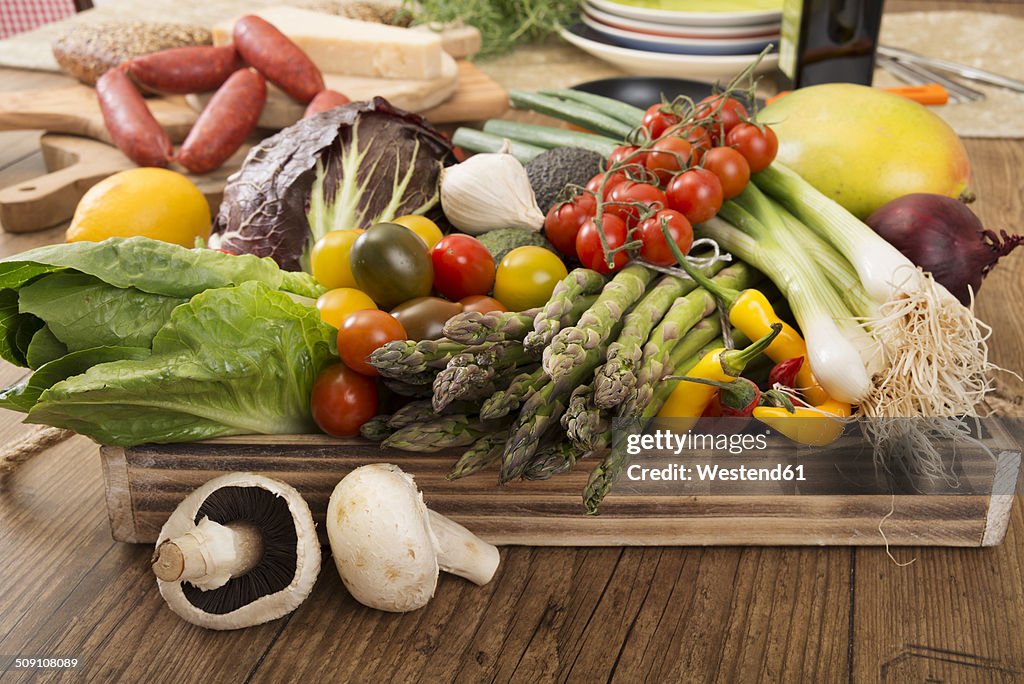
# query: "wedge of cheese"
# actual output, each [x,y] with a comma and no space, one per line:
[355,48]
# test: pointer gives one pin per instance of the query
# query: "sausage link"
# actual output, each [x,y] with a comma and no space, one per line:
[325,100]
[131,125]
[228,119]
[275,56]
[184,70]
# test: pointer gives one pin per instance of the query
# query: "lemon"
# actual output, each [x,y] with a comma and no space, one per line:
[154,203]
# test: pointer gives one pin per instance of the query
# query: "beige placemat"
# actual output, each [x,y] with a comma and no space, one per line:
[986,40]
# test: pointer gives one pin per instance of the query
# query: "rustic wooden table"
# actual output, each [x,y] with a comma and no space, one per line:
[654,614]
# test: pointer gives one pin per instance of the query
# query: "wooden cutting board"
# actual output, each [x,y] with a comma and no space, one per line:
[77,163]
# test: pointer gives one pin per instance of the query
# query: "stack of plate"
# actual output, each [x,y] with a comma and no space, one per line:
[706,40]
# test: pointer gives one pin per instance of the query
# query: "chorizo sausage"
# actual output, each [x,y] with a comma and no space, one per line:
[228,119]
[184,70]
[131,125]
[325,100]
[275,56]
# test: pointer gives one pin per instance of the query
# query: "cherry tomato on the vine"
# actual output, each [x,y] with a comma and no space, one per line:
[696,194]
[727,114]
[588,243]
[364,331]
[657,121]
[564,220]
[594,184]
[757,146]
[669,156]
[700,143]
[630,196]
[731,168]
[655,248]
[625,154]
[462,267]
[342,400]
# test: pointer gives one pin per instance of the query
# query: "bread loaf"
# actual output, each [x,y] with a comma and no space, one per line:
[86,51]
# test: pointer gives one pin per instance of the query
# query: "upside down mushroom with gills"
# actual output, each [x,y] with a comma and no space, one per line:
[239,551]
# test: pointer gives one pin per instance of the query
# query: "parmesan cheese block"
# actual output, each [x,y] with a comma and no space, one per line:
[355,48]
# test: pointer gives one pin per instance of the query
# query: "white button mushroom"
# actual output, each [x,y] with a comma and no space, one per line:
[239,551]
[388,546]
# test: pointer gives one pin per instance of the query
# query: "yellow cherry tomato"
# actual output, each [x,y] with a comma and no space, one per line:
[526,277]
[424,228]
[329,259]
[336,305]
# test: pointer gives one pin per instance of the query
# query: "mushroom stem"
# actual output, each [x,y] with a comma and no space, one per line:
[209,555]
[461,552]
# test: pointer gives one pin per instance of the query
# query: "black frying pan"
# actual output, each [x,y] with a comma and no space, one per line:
[643,91]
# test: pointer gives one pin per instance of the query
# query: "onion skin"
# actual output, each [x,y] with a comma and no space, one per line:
[942,236]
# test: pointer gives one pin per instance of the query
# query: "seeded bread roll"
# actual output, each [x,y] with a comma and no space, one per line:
[86,51]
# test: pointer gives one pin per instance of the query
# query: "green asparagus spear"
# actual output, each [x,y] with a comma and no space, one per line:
[582,418]
[473,327]
[570,345]
[618,374]
[482,453]
[376,429]
[418,390]
[685,313]
[440,433]
[471,370]
[422,411]
[553,459]
[403,359]
[568,292]
[505,401]
[685,355]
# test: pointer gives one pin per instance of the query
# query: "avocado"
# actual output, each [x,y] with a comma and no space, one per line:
[501,242]
[549,172]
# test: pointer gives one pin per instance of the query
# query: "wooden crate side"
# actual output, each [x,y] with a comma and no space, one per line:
[997,519]
[120,507]
[150,481]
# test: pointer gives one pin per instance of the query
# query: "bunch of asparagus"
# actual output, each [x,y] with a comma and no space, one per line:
[534,392]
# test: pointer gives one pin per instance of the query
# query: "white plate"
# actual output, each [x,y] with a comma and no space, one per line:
[679,46]
[682,17]
[681,31]
[695,67]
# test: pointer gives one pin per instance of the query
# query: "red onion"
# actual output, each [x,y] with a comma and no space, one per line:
[942,236]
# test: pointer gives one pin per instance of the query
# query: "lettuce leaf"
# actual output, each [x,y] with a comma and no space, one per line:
[230,361]
[349,167]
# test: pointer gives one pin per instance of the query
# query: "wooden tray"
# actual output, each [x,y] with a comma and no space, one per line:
[144,484]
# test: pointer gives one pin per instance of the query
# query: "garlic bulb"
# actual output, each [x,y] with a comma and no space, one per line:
[487,192]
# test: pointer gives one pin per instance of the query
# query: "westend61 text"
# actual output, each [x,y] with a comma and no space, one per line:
[715,473]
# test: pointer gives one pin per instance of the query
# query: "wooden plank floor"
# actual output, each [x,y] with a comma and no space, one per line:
[654,614]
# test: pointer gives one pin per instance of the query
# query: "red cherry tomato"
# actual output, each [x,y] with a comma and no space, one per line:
[594,184]
[481,303]
[655,249]
[629,195]
[564,220]
[696,194]
[757,147]
[362,332]
[462,267]
[625,154]
[700,143]
[588,243]
[731,168]
[727,114]
[670,155]
[342,400]
[657,121]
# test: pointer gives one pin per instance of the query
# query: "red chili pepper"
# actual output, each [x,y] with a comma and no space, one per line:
[784,372]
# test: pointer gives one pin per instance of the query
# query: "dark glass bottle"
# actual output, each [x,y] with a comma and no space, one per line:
[828,41]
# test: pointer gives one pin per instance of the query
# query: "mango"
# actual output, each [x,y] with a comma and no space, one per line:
[864,147]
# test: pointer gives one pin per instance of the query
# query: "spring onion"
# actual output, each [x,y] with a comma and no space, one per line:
[935,348]
[626,113]
[477,141]
[547,137]
[577,113]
